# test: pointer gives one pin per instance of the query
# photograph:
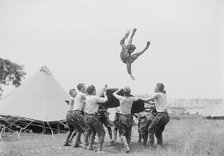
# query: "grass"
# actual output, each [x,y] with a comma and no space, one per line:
[183,136]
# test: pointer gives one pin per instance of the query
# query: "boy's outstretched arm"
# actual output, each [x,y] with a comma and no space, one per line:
[132,35]
[151,99]
[123,39]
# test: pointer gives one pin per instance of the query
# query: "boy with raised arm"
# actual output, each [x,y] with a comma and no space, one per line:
[125,117]
[69,137]
[92,117]
[126,53]
[159,122]
[76,117]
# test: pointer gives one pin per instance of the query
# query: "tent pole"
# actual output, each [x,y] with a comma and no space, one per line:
[2,131]
[52,133]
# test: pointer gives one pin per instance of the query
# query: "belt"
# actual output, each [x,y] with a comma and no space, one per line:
[162,112]
[142,117]
[92,114]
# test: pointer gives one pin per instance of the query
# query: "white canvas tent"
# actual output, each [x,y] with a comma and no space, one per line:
[214,111]
[39,99]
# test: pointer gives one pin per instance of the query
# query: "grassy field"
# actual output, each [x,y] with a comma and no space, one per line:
[183,136]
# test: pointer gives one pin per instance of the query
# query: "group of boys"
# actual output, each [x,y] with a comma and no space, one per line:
[87,115]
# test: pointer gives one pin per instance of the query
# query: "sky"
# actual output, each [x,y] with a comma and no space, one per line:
[78,40]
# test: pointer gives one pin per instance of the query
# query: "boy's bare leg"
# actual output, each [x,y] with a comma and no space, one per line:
[132,35]
[129,70]
[127,33]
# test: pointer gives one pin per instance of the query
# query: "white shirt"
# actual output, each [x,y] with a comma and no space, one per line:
[117,109]
[160,102]
[92,103]
[79,101]
[125,104]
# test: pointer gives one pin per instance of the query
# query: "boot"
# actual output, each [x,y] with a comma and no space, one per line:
[159,137]
[139,137]
[91,142]
[101,141]
[124,141]
[77,137]
[145,138]
[115,136]
[151,140]
[67,141]
[110,134]
[129,135]
[72,136]
[85,139]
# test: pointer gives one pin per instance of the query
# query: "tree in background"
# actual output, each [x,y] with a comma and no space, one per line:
[10,73]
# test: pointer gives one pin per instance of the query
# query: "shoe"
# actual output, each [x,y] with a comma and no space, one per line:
[67,144]
[76,146]
[112,142]
[115,142]
[90,148]
[127,149]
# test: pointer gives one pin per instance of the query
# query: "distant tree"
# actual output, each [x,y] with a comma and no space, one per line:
[10,73]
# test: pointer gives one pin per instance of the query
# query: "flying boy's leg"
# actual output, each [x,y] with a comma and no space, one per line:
[132,35]
[129,70]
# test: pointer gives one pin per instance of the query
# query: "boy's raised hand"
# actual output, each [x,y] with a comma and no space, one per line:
[105,88]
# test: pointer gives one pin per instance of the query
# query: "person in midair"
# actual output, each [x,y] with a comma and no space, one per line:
[127,55]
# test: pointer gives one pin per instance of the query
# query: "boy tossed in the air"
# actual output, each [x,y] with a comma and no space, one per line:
[126,53]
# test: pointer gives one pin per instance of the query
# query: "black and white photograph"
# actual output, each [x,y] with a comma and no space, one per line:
[112,77]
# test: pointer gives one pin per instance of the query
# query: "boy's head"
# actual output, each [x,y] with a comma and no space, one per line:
[131,48]
[127,91]
[81,87]
[73,92]
[91,90]
[159,88]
